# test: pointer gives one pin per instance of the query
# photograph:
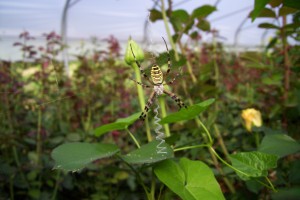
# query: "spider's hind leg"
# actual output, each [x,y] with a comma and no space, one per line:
[176,99]
[147,106]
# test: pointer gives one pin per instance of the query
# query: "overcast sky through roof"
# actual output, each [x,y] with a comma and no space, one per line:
[121,18]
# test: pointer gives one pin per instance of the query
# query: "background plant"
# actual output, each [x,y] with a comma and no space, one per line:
[43,109]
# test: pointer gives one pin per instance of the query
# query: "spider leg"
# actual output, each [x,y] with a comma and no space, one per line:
[139,65]
[175,98]
[139,83]
[148,105]
[169,58]
[172,81]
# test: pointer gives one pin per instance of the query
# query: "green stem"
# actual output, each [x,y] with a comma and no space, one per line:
[152,192]
[141,98]
[39,137]
[56,185]
[188,64]
[138,176]
[270,183]
[11,187]
[162,104]
[221,141]
[163,11]
[257,139]
[199,122]
[191,147]
[133,138]
[226,163]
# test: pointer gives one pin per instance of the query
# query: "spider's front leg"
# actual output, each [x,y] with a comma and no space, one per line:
[148,105]
[139,83]
[176,99]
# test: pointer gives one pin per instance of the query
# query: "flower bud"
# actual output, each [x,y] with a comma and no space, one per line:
[251,117]
[133,50]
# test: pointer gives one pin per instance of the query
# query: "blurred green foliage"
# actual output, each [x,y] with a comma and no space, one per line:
[41,109]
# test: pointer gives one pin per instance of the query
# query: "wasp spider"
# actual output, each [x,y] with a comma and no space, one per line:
[157,81]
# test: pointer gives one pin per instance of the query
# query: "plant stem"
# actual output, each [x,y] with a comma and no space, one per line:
[141,98]
[221,141]
[152,192]
[226,163]
[163,11]
[133,138]
[56,185]
[286,69]
[39,137]
[162,104]
[188,64]
[139,178]
[191,147]
[257,139]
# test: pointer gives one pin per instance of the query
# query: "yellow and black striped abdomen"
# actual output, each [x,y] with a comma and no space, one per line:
[156,75]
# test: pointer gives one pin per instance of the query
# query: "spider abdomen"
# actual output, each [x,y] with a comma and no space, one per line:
[156,75]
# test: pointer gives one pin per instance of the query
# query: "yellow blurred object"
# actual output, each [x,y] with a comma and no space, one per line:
[251,117]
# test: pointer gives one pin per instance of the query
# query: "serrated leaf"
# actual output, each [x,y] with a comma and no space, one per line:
[189,113]
[253,164]
[149,153]
[268,26]
[259,5]
[283,11]
[279,144]
[189,179]
[203,11]
[75,156]
[119,124]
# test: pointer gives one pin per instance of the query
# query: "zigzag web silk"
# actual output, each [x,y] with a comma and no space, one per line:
[160,148]
[160,135]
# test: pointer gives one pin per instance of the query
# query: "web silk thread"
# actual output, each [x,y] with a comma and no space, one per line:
[160,148]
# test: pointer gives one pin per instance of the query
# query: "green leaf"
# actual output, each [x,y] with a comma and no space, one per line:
[180,15]
[119,124]
[283,11]
[195,35]
[189,113]
[253,164]
[149,153]
[275,3]
[291,193]
[203,25]
[259,5]
[155,15]
[292,4]
[268,26]
[272,43]
[266,13]
[179,18]
[279,144]
[189,179]
[75,156]
[162,59]
[203,11]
